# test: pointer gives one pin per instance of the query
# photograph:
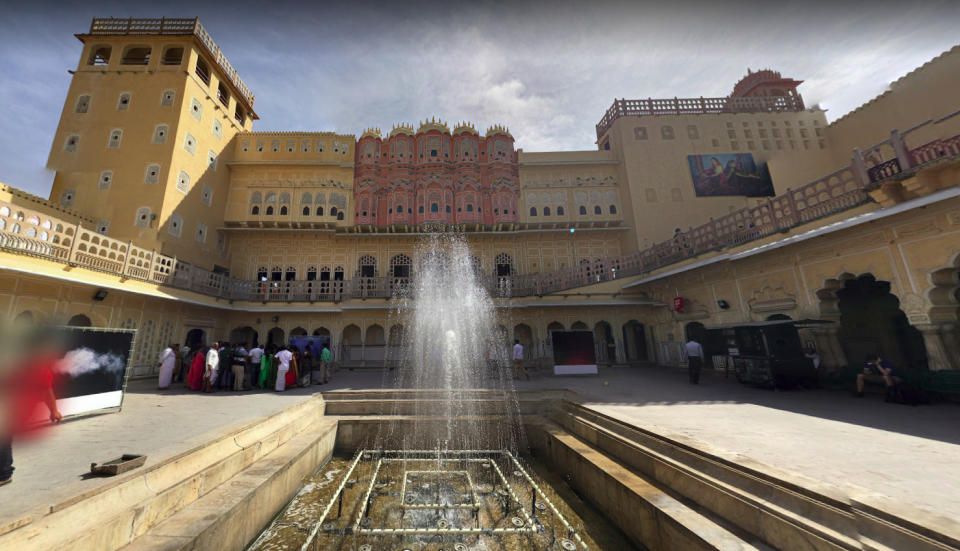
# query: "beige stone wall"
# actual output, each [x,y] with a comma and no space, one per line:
[655,174]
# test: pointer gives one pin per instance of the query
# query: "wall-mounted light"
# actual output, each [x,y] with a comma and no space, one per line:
[723,304]
[100,295]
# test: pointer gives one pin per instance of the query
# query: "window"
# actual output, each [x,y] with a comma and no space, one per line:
[559,211]
[203,71]
[651,195]
[217,129]
[339,215]
[83,104]
[546,211]
[239,115]
[190,144]
[447,209]
[320,146]
[533,211]
[306,146]
[206,195]
[597,209]
[262,273]
[583,210]
[269,211]
[66,197]
[160,133]
[136,55]
[692,132]
[196,109]
[142,219]
[666,132]
[640,133]
[291,146]
[803,133]
[212,160]
[776,132]
[319,211]
[99,55]
[183,182]
[201,235]
[123,102]
[306,211]
[152,174]
[434,207]
[290,274]
[283,210]
[504,265]
[166,100]
[103,227]
[172,55]
[731,133]
[613,209]
[175,225]
[106,177]
[469,207]
[260,145]
[116,136]
[275,146]
[334,211]
[735,146]
[255,209]
[223,95]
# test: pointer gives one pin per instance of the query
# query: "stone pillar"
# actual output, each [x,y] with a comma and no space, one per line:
[900,148]
[859,168]
[951,340]
[937,356]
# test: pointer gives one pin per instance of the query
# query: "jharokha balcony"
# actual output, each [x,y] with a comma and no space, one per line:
[867,179]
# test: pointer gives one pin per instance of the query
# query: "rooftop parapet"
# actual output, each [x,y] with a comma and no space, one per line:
[696,106]
[167,26]
[433,124]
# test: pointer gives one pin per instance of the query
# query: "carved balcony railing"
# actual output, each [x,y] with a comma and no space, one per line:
[29,232]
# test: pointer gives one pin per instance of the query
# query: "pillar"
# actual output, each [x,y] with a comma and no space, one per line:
[951,340]
[937,356]
[900,148]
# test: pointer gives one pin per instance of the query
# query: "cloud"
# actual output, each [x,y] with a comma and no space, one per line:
[84,360]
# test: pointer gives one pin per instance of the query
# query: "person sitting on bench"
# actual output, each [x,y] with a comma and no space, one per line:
[877,370]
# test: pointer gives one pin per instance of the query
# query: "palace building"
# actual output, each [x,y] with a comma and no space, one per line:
[170,214]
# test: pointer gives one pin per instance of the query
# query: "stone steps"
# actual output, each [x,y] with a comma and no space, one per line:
[112,515]
[785,510]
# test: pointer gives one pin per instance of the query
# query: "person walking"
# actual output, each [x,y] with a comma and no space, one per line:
[518,360]
[694,360]
[325,357]
[255,354]
[168,362]
[196,376]
[212,365]
[284,357]
[183,364]
[238,365]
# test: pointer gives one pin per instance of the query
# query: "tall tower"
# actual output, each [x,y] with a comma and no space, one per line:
[145,133]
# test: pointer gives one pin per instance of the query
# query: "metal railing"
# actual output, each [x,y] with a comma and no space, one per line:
[111,26]
[696,106]
[29,232]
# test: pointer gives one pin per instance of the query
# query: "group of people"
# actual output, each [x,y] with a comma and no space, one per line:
[225,366]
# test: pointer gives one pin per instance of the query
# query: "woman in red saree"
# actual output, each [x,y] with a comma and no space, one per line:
[195,378]
[292,373]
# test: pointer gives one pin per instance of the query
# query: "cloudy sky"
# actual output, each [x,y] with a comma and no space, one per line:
[547,70]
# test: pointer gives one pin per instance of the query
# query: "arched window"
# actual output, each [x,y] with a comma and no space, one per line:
[223,95]
[290,274]
[203,71]
[239,115]
[469,207]
[306,199]
[340,215]
[312,273]
[400,266]
[533,211]
[367,266]
[276,274]
[504,265]
[306,211]
[420,209]
[262,273]
[559,211]
[434,207]
[448,209]
[269,211]
[613,209]
[333,211]
[319,211]
[99,55]
[283,210]
[142,219]
[583,210]
[597,209]
[173,55]
[546,211]
[136,55]
[255,209]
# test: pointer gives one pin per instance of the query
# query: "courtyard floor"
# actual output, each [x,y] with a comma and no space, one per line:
[910,455]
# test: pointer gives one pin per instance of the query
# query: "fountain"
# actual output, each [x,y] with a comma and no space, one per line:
[444,470]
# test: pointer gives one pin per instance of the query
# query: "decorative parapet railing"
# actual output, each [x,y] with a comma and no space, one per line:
[696,106]
[111,26]
[29,232]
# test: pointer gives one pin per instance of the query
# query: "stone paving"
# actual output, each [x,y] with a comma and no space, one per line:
[910,454]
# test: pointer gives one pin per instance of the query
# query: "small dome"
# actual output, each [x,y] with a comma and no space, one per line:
[433,124]
[465,128]
[498,129]
[402,129]
[371,132]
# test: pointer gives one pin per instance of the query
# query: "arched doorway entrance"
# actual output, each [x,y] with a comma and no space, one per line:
[275,338]
[298,332]
[605,344]
[79,320]
[195,339]
[579,326]
[635,341]
[246,336]
[871,322]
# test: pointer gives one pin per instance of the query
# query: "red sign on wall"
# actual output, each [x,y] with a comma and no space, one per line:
[678,305]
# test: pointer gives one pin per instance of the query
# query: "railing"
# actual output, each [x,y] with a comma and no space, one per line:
[29,232]
[111,26]
[696,106]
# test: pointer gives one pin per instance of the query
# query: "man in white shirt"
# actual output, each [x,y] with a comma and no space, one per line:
[283,357]
[213,364]
[255,354]
[168,361]
[694,360]
[518,360]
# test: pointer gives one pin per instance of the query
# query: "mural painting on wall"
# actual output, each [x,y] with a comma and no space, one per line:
[729,174]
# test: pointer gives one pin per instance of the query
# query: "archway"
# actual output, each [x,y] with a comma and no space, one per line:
[375,336]
[695,331]
[524,334]
[604,342]
[579,326]
[24,318]
[275,338]
[321,332]
[396,335]
[195,338]
[246,336]
[298,332]
[351,335]
[871,322]
[80,320]
[635,341]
